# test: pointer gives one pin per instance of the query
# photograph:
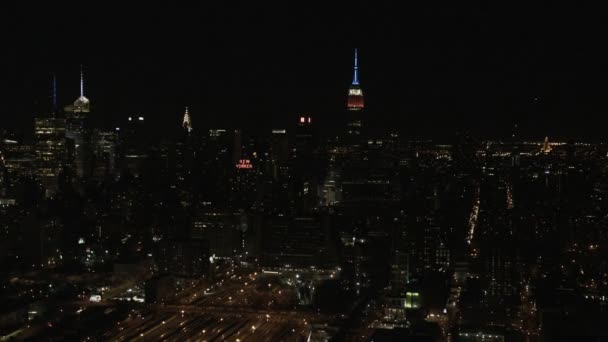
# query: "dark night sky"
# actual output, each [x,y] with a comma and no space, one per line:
[425,69]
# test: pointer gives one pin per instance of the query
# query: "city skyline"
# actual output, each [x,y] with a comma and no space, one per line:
[430,78]
[365,173]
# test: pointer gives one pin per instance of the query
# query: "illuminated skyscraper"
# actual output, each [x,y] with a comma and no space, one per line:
[49,137]
[49,144]
[355,93]
[82,104]
[355,106]
[187,123]
[19,159]
[78,130]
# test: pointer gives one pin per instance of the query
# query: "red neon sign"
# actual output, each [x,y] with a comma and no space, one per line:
[244,164]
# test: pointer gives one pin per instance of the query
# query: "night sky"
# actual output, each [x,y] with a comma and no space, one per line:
[425,70]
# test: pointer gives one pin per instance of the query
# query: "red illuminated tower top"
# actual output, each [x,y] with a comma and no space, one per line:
[355,94]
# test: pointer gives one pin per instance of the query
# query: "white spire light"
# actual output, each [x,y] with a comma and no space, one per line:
[81,81]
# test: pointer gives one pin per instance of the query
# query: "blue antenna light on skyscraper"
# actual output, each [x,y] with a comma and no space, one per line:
[356,76]
[54,94]
[355,93]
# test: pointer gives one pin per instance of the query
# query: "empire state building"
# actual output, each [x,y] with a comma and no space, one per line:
[355,106]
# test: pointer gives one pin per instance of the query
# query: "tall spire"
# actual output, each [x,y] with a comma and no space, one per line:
[54,94]
[356,76]
[187,124]
[81,82]
[355,93]
[82,104]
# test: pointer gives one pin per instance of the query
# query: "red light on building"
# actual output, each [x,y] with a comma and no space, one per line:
[244,164]
[355,99]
